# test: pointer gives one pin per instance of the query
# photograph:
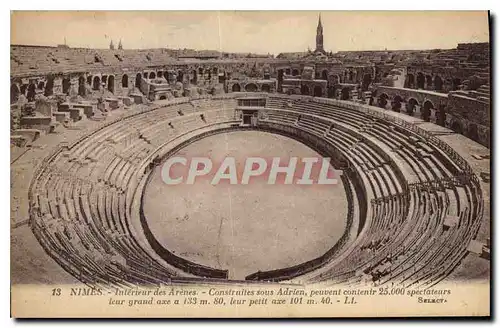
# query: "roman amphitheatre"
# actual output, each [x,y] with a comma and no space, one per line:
[91,128]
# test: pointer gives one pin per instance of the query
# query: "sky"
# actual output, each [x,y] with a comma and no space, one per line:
[251,31]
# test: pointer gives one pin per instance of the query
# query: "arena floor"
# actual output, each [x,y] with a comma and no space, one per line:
[245,228]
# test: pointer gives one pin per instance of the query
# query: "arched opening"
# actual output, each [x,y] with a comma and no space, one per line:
[152,75]
[180,76]
[200,71]
[194,78]
[41,85]
[251,87]
[410,106]
[104,80]
[287,71]
[49,87]
[304,90]
[138,78]
[367,79]
[24,87]
[345,94]
[428,80]
[396,103]
[81,86]
[318,91]
[324,75]
[420,81]
[89,80]
[66,85]
[410,81]
[124,81]
[163,97]
[351,76]
[209,74]
[96,83]
[383,100]
[160,74]
[295,72]
[438,83]
[236,88]
[427,111]
[111,83]
[331,92]
[472,132]
[455,83]
[457,127]
[222,78]
[14,93]
[266,88]
[31,92]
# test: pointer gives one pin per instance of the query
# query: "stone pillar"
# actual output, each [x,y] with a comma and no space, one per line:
[410,108]
[57,85]
[441,115]
[73,89]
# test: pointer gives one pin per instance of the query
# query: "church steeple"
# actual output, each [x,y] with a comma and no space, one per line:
[111,45]
[319,36]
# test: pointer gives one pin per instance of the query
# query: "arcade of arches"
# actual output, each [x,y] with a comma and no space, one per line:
[426,111]
[336,85]
[432,82]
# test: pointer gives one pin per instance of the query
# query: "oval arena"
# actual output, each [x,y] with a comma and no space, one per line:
[414,204]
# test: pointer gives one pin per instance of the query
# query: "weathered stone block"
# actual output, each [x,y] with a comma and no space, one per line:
[61,117]
[138,99]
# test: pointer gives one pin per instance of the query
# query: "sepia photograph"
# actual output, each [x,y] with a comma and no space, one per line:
[250,164]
